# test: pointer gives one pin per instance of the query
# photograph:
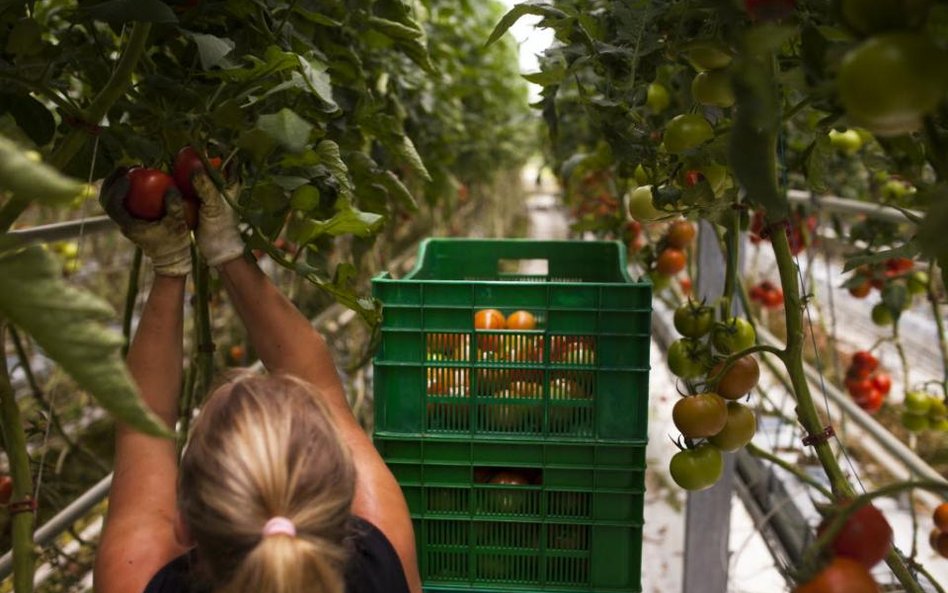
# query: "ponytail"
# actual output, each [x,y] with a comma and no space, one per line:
[266,447]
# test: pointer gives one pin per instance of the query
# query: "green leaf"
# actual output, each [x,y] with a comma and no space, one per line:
[534,7]
[212,49]
[411,39]
[31,116]
[69,325]
[315,72]
[397,190]
[405,150]
[895,297]
[347,221]
[126,11]
[330,157]
[30,179]
[275,61]
[287,129]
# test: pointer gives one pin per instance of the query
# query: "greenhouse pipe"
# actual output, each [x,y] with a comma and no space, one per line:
[69,515]
[847,206]
[61,231]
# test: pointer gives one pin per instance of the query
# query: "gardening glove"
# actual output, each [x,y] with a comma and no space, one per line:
[218,238]
[167,241]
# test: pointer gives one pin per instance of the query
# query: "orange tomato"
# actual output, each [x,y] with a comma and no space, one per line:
[521,320]
[489,319]
[940,517]
[680,234]
[670,262]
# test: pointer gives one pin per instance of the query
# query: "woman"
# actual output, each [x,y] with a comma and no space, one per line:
[279,490]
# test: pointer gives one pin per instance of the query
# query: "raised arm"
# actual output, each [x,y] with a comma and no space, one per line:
[138,537]
[286,342]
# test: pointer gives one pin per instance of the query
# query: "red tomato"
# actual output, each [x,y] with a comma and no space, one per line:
[186,164]
[882,382]
[692,177]
[145,199]
[865,360]
[866,537]
[859,389]
[671,261]
[841,575]
[872,403]
[773,299]
[685,284]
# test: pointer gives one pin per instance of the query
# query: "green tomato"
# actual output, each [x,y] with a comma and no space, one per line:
[697,469]
[874,16]
[693,320]
[939,425]
[733,335]
[640,204]
[707,55]
[685,132]
[657,98]
[847,141]
[938,411]
[917,282]
[687,358]
[713,88]
[891,81]
[914,422]
[739,429]
[917,402]
[881,315]
[659,281]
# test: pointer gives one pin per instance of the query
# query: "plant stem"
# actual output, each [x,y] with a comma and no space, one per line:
[76,138]
[789,467]
[900,349]
[131,296]
[14,439]
[793,359]
[939,325]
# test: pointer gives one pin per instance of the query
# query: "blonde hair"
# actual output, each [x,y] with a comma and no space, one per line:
[266,446]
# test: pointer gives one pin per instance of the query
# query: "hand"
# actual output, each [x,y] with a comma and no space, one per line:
[217,236]
[166,242]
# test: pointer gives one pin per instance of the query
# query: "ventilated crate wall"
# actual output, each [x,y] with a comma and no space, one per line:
[577,524]
[582,374]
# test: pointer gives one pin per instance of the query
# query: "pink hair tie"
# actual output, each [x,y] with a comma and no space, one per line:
[279,526]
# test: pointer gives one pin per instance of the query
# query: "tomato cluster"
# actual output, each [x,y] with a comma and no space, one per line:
[594,196]
[671,257]
[711,421]
[939,534]
[866,384]
[769,295]
[801,230]
[149,188]
[924,411]
[894,270]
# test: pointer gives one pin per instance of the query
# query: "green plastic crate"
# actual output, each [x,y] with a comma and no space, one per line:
[581,375]
[575,525]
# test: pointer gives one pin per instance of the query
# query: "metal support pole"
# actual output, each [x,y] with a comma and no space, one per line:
[708,514]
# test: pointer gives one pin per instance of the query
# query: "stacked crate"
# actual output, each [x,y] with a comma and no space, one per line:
[460,413]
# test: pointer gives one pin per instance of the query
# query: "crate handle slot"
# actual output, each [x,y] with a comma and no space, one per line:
[527,267]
